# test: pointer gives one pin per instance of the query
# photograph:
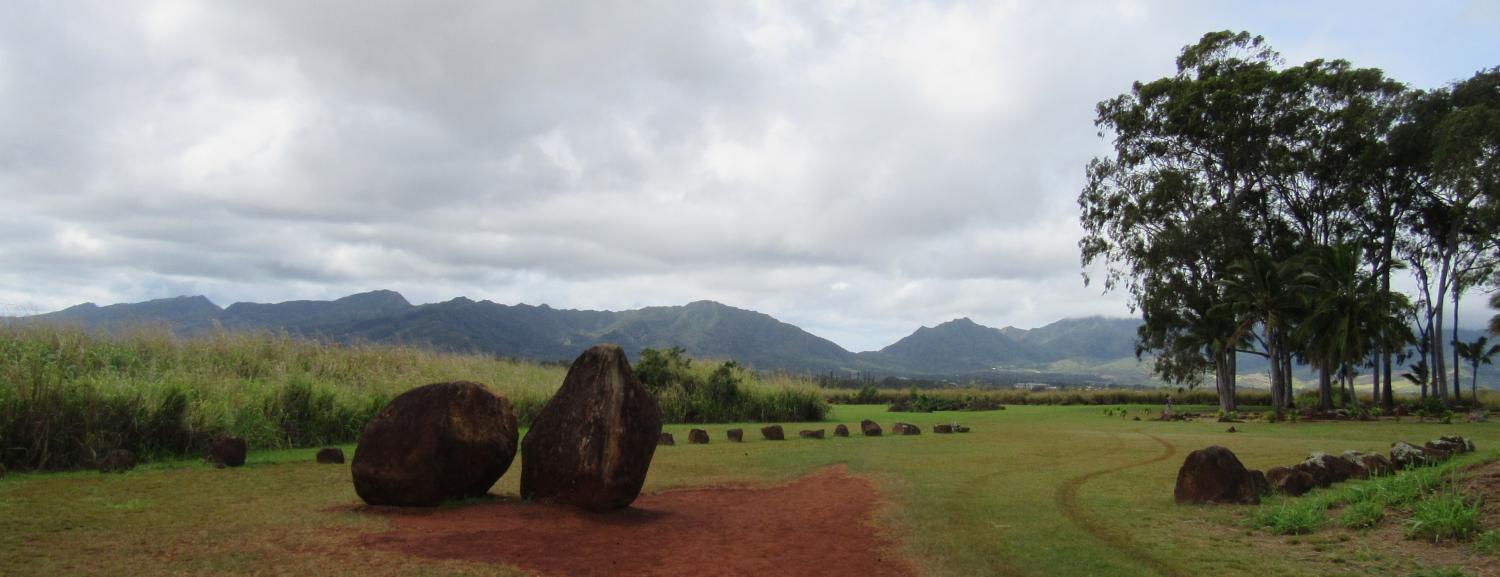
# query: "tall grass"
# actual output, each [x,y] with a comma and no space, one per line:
[723,392]
[68,396]
[987,398]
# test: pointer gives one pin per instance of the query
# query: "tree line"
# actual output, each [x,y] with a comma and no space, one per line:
[1254,207]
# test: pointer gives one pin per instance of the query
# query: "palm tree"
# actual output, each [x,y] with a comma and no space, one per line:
[1260,290]
[1347,315]
[1477,352]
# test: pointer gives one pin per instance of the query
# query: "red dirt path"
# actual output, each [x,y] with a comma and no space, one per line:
[817,526]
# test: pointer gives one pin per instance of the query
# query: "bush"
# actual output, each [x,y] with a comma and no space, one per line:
[727,393]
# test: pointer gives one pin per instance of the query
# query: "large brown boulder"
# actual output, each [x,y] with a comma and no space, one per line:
[841,430]
[331,456]
[869,428]
[1215,475]
[773,433]
[117,461]
[435,443]
[592,444]
[697,437]
[666,439]
[736,435]
[226,452]
[1289,481]
[1405,455]
[943,429]
[1377,465]
[811,434]
[905,429]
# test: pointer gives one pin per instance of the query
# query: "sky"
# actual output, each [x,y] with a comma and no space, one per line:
[858,169]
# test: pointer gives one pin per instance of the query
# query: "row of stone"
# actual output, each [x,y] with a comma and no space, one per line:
[777,433]
[1215,475]
[223,452]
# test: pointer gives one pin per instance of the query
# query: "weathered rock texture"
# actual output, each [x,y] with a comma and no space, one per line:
[666,439]
[434,443]
[736,435]
[226,452]
[117,461]
[869,428]
[1215,475]
[1289,481]
[905,429]
[841,431]
[773,433]
[331,456]
[592,444]
[811,434]
[698,437]
[943,429]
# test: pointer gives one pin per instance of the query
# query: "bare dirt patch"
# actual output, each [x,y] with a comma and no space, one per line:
[818,526]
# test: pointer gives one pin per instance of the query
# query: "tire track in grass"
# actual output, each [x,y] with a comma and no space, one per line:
[1067,500]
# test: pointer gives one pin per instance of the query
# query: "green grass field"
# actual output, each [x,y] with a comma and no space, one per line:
[1033,490]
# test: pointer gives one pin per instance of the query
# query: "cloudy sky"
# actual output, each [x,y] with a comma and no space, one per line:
[856,168]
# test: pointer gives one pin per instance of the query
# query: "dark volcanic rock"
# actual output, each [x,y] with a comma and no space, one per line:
[960,429]
[773,433]
[331,456]
[869,428]
[592,444]
[1464,445]
[736,435]
[841,431]
[697,437]
[1377,465]
[665,439]
[1215,475]
[905,429]
[945,429]
[117,461]
[1289,481]
[1405,455]
[434,443]
[813,434]
[226,452]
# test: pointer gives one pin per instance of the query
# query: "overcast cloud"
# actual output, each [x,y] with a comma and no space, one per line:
[856,168]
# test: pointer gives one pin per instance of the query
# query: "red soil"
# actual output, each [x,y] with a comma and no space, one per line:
[818,526]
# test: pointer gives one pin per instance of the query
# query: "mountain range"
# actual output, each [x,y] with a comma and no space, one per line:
[1077,350]
[705,329]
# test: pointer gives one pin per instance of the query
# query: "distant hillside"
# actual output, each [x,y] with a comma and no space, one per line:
[1093,349]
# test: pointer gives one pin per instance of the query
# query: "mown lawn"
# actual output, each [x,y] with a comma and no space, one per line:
[1033,490]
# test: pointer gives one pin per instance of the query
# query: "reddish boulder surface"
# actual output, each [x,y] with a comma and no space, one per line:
[811,434]
[591,446]
[736,435]
[117,461]
[905,429]
[226,452]
[1289,481]
[773,433]
[869,428]
[697,437]
[1215,475]
[331,456]
[944,429]
[666,439]
[841,431]
[434,443]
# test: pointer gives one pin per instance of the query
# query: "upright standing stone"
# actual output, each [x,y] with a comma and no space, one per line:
[869,428]
[736,435]
[592,444]
[697,437]
[331,456]
[434,443]
[1215,475]
[226,452]
[841,431]
[773,433]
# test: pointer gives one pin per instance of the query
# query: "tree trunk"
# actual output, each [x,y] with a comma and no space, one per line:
[1325,387]
[1387,400]
[1375,379]
[1439,363]
[1272,353]
[1458,388]
[1290,394]
[1224,379]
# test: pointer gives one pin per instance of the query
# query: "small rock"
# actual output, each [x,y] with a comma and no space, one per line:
[226,452]
[1137,418]
[1289,481]
[944,429]
[960,429]
[665,439]
[117,461]
[697,437]
[869,428]
[1232,429]
[813,434]
[773,433]
[736,435]
[1405,455]
[1462,445]
[331,456]
[1215,475]
[905,429]
[841,431]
